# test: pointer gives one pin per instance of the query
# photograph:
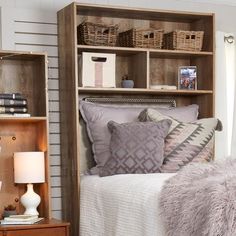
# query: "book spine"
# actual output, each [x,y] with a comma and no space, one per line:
[13,102]
[14,115]
[13,110]
[11,96]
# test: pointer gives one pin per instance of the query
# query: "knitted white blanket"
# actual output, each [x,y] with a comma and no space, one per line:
[201,200]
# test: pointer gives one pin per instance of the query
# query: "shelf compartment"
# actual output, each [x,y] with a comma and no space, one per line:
[127,18]
[132,64]
[19,136]
[164,71]
[25,73]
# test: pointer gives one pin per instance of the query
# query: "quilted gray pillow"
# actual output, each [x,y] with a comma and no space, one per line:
[136,147]
[185,142]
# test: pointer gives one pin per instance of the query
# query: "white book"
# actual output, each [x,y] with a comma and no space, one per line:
[15,115]
[21,218]
[33,221]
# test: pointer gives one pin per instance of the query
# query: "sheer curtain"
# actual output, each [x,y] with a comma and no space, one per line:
[225,95]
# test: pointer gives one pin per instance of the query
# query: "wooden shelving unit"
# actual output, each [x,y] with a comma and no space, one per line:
[25,73]
[145,66]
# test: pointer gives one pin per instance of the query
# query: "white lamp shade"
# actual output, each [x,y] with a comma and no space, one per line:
[29,167]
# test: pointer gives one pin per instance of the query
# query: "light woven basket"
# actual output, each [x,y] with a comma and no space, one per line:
[148,38]
[184,40]
[89,33]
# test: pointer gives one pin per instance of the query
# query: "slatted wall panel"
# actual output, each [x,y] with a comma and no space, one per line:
[35,33]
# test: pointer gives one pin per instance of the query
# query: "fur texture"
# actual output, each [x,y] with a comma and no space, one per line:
[201,200]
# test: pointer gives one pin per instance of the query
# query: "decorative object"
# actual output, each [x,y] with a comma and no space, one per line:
[98,70]
[187,77]
[126,82]
[9,210]
[29,168]
[184,40]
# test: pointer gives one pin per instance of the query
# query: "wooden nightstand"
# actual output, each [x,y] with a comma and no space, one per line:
[43,228]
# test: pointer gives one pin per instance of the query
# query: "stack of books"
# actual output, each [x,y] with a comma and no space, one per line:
[13,104]
[20,220]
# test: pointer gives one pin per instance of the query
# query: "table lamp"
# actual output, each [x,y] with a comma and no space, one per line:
[29,168]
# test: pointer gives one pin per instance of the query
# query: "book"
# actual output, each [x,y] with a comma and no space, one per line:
[13,102]
[163,86]
[13,110]
[11,96]
[21,218]
[17,222]
[14,115]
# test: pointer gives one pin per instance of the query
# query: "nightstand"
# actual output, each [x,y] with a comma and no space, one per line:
[43,228]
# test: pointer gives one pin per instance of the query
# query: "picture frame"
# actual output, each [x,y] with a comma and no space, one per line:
[187,78]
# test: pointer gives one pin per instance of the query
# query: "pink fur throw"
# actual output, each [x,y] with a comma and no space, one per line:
[201,200]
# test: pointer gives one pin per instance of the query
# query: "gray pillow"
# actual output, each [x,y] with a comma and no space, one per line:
[97,116]
[136,148]
[185,142]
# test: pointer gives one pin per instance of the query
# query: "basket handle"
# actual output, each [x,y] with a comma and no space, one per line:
[99,59]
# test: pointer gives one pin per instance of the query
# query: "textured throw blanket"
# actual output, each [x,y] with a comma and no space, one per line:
[201,200]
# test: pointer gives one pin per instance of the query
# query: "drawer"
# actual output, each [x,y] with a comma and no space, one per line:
[57,231]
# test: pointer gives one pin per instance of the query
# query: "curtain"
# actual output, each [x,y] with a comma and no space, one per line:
[225,95]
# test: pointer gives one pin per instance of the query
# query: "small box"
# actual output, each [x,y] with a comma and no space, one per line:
[98,70]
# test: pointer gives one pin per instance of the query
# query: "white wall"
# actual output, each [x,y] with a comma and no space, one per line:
[31,25]
[225,15]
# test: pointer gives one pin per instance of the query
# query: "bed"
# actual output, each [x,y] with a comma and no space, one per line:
[128,204]
[121,205]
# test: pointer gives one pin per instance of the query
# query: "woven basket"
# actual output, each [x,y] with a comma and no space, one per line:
[184,40]
[141,38]
[97,34]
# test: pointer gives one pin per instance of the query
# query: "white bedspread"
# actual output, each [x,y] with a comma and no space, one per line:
[121,205]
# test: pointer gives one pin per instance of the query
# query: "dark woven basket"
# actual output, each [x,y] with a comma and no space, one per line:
[89,33]
[137,38]
[184,40]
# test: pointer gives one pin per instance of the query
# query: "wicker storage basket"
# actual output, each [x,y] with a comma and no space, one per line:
[184,40]
[150,38]
[97,34]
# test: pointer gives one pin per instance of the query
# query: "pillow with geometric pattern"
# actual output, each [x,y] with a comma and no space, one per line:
[185,142]
[136,147]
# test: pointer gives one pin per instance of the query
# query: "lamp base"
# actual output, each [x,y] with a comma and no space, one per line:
[30,200]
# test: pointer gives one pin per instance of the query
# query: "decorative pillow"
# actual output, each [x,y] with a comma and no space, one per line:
[185,142]
[136,147]
[97,116]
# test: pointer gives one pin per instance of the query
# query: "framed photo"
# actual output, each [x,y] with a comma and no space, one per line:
[187,77]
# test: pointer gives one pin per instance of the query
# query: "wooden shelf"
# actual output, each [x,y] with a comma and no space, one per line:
[131,51]
[22,119]
[144,91]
